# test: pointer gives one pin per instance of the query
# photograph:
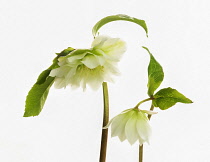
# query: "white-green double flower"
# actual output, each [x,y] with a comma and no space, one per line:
[131,124]
[90,66]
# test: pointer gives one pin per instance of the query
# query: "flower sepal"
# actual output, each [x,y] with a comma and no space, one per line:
[132,124]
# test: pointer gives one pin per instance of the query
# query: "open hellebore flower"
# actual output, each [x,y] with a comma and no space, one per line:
[90,66]
[131,124]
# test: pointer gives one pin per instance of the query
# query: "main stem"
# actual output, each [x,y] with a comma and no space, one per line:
[104,135]
[141,147]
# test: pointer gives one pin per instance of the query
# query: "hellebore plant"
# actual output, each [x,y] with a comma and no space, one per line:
[95,67]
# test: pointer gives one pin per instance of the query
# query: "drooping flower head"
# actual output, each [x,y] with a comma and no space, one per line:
[131,124]
[90,66]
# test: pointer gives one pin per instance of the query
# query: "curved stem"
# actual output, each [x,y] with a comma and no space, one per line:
[104,136]
[148,99]
[141,147]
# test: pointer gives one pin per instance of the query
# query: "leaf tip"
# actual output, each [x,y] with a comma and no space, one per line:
[146,49]
[190,101]
[28,114]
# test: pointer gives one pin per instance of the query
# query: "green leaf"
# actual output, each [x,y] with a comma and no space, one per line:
[65,51]
[36,97]
[168,97]
[43,76]
[155,74]
[108,19]
[38,94]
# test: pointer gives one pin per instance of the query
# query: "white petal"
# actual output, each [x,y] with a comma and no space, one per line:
[54,72]
[114,48]
[125,111]
[59,83]
[95,85]
[94,78]
[130,129]
[90,61]
[101,60]
[109,70]
[99,40]
[143,127]
[69,75]
[75,80]
[76,57]
[61,71]
[118,125]
[62,60]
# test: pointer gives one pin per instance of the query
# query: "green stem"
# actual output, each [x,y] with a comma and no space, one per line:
[148,99]
[104,136]
[151,109]
[141,147]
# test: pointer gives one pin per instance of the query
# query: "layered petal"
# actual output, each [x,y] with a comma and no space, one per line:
[91,61]
[90,67]
[130,129]
[131,124]
[112,47]
[143,127]
[119,129]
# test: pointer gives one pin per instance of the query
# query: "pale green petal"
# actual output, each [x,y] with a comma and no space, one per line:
[125,111]
[96,84]
[90,61]
[101,60]
[143,127]
[60,72]
[111,68]
[75,80]
[60,83]
[70,74]
[130,129]
[83,84]
[114,48]
[122,136]
[118,125]
[99,40]
[54,72]
[94,77]
[76,57]
[113,44]
[62,60]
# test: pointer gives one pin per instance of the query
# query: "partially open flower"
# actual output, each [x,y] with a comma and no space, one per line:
[90,66]
[131,124]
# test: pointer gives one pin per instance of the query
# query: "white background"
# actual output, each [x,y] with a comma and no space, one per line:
[68,129]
